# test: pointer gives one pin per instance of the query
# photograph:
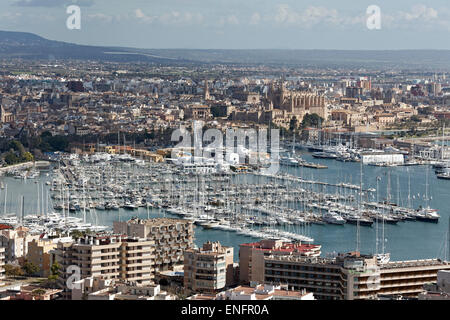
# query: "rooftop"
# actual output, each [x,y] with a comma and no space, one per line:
[157,221]
[414,263]
[282,247]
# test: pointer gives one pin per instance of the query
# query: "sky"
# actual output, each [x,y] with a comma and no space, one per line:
[236,24]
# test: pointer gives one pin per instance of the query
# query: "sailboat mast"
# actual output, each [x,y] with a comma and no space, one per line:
[426,188]
[6,192]
[38,201]
[84,199]
[448,240]
[376,222]
[358,240]
[293,145]
[23,210]
[409,190]
[388,197]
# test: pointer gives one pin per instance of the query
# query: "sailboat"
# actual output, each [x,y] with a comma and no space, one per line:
[427,214]
[357,218]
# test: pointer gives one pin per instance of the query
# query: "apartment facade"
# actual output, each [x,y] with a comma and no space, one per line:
[208,269]
[39,255]
[109,257]
[251,256]
[351,276]
[2,266]
[407,278]
[16,242]
[171,237]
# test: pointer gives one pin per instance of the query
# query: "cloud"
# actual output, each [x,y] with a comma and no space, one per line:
[419,17]
[255,18]
[312,16]
[52,3]
[232,19]
[141,16]
[170,18]
[176,17]
[101,16]
[420,12]
[10,15]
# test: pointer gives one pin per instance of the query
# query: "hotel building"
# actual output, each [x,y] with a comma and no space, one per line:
[251,256]
[171,237]
[208,269]
[351,276]
[109,257]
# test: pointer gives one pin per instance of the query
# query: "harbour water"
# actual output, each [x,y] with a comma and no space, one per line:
[405,240]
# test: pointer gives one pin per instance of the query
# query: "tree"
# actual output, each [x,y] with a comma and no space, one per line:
[46,134]
[311,120]
[13,271]
[11,158]
[77,234]
[30,269]
[28,157]
[54,270]
[415,118]
[293,124]
[17,146]
[38,292]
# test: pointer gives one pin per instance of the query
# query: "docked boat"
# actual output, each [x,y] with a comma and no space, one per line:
[333,218]
[291,162]
[362,220]
[209,224]
[324,155]
[130,206]
[444,176]
[389,219]
[427,215]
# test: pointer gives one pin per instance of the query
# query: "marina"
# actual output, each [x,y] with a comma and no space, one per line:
[297,204]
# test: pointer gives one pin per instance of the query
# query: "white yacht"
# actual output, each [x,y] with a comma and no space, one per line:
[333,218]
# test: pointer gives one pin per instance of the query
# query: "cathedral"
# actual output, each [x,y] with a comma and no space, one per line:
[280,105]
[5,117]
[296,103]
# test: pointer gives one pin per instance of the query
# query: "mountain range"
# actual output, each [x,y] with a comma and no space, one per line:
[31,46]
